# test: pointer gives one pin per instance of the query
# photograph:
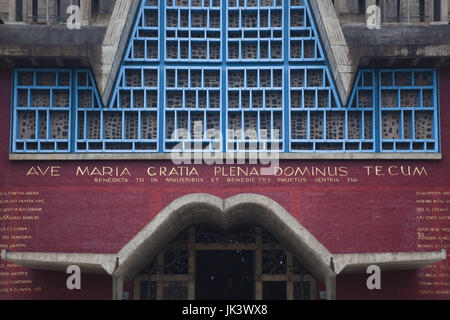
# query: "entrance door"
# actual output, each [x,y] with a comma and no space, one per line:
[205,263]
[224,275]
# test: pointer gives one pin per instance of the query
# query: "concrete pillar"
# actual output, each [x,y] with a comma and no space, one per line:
[12,10]
[444,10]
[47,12]
[117,288]
[383,10]
[330,287]
[86,10]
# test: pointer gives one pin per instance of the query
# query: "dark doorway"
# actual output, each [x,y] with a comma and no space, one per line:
[225,275]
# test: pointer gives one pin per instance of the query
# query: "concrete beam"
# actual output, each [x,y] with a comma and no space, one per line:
[168,156]
[109,58]
[89,263]
[343,62]
[117,288]
[358,262]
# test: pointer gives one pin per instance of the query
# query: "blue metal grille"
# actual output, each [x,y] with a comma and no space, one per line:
[255,109]
[144,46]
[129,123]
[230,75]
[255,30]
[193,30]
[192,108]
[408,110]
[42,111]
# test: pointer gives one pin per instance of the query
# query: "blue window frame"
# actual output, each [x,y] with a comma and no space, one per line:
[192,106]
[253,70]
[408,110]
[42,114]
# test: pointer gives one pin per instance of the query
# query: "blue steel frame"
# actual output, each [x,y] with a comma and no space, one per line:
[198,91]
[195,24]
[300,80]
[26,93]
[144,47]
[254,29]
[422,83]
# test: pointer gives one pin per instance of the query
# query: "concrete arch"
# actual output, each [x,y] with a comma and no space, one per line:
[239,209]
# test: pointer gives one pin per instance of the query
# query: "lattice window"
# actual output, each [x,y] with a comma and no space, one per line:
[255,109]
[193,30]
[144,45]
[192,109]
[42,111]
[255,30]
[304,42]
[231,75]
[408,110]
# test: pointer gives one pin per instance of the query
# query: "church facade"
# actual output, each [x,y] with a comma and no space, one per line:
[241,149]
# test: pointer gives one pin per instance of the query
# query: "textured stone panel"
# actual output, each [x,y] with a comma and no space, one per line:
[390,125]
[26,79]
[335,125]
[152,99]
[423,78]
[43,125]
[249,50]
[198,50]
[276,51]
[112,124]
[23,98]
[133,78]
[298,125]
[138,99]
[365,99]
[403,79]
[297,78]
[235,78]
[273,99]
[40,98]
[389,98]
[214,99]
[196,78]
[151,78]
[85,98]
[316,125]
[368,125]
[46,79]
[257,99]
[212,79]
[174,99]
[424,125]
[125,98]
[149,125]
[409,98]
[93,125]
[27,125]
[61,98]
[60,125]
[354,125]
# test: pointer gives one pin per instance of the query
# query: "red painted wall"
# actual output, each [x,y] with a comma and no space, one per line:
[78,214]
